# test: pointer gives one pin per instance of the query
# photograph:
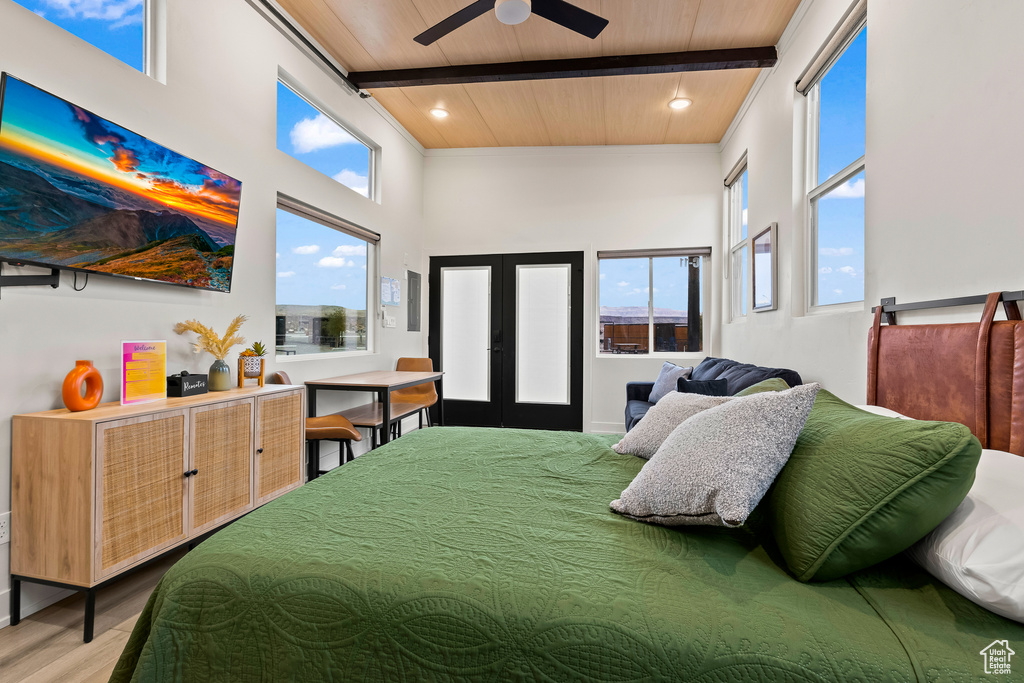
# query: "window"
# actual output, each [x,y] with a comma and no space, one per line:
[739,239]
[325,267]
[651,300]
[316,139]
[117,27]
[836,165]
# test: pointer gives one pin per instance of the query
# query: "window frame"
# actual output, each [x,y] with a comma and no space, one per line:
[304,94]
[735,242]
[373,306]
[703,253]
[813,190]
[154,14]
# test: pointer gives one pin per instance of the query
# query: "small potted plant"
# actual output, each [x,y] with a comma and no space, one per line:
[251,363]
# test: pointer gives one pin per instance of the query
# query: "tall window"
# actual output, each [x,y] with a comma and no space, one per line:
[117,27]
[651,300]
[836,171]
[324,271]
[739,238]
[319,141]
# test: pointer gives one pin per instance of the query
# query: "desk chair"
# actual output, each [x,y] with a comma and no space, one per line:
[324,428]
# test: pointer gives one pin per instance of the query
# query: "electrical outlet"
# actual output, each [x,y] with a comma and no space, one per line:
[5,528]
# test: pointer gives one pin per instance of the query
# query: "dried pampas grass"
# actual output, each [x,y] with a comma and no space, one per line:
[209,341]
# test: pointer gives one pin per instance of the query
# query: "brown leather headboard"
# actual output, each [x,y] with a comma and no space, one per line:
[971,373]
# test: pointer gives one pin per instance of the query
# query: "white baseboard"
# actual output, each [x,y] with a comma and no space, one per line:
[607,428]
[30,604]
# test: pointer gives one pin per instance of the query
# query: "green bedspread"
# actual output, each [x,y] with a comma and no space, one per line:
[491,555]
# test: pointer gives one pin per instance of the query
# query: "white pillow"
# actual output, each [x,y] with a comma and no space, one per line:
[978,550]
[884,412]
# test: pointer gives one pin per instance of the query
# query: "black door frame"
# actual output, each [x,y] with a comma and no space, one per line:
[544,415]
[503,410]
[468,413]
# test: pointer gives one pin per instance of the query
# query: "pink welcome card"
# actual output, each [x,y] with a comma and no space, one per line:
[143,371]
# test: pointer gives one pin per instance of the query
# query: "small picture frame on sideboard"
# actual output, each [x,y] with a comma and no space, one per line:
[766,269]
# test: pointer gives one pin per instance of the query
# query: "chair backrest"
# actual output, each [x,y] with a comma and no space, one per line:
[279,377]
[422,393]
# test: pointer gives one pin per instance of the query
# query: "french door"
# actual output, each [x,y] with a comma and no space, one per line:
[507,330]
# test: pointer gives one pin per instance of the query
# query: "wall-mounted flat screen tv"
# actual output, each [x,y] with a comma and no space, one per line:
[78,192]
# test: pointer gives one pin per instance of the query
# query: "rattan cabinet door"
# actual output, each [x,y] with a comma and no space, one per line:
[140,489]
[221,463]
[280,439]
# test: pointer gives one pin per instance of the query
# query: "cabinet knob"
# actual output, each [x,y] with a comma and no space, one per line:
[259,450]
[191,473]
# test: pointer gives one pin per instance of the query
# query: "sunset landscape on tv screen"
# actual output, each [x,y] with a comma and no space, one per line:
[77,191]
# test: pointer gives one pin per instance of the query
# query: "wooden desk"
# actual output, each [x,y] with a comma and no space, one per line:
[382,383]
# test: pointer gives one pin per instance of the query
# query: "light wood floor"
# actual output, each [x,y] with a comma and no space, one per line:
[47,646]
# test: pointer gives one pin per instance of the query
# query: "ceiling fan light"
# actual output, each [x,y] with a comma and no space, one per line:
[512,12]
[680,103]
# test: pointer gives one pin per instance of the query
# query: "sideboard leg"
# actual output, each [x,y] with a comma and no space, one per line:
[15,601]
[90,613]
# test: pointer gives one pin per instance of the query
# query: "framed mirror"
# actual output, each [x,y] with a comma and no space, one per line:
[766,269]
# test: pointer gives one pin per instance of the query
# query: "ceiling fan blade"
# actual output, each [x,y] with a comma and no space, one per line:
[570,16]
[460,18]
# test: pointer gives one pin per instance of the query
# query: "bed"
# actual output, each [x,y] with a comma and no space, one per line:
[475,554]
[456,554]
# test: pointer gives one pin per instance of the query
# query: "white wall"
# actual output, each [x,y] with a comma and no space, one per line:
[218,106]
[943,150]
[579,199]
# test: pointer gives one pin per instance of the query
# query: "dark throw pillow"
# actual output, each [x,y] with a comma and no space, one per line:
[707,387]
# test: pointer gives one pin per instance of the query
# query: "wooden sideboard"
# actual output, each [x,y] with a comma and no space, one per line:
[97,493]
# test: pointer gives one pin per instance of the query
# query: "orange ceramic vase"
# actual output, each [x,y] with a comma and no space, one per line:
[72,390]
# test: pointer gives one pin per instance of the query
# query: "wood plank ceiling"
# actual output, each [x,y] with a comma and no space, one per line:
[368,35]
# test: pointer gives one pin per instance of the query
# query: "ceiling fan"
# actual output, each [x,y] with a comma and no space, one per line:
[516,12]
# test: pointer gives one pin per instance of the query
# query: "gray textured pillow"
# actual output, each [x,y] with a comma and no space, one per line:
[666,382]
[650,432]
[715,467]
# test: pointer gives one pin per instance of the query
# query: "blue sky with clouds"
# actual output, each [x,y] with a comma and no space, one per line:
[114,26]
[314,139]
[625,282]
[841,212]
[317,265]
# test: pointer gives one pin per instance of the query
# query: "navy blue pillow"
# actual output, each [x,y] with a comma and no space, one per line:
[706,387]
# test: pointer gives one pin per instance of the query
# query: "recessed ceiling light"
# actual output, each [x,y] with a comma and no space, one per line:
[439,113]
[680,103]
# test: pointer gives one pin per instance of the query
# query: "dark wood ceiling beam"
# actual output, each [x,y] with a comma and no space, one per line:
[587,67]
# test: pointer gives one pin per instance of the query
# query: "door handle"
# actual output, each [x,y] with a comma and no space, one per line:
[191,473]
[259,450]
[496,349]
